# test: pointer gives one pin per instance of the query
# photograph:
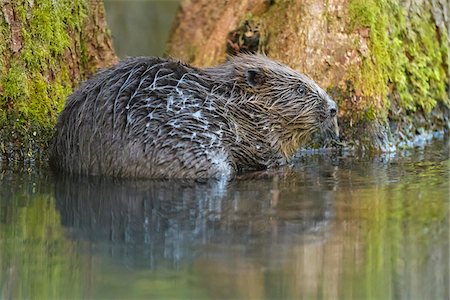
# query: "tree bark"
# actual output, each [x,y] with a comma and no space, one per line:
[385,62]
[47,48]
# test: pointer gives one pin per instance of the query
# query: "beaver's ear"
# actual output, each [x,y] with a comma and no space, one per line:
[255,77]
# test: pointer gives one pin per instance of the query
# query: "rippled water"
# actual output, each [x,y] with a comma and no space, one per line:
[333,226]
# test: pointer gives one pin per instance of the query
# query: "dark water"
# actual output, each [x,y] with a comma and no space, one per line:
[333,227]
[140,27]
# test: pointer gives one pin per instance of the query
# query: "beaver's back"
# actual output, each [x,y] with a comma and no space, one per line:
[145,117]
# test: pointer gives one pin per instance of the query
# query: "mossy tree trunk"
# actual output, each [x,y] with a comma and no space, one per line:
[46,48]
[386,62]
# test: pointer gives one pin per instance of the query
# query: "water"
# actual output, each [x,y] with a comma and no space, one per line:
[334,226]
[140,27]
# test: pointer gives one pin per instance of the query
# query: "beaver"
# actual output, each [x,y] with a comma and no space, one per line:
[161,118]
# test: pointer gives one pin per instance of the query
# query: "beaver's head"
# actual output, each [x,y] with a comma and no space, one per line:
[295,104]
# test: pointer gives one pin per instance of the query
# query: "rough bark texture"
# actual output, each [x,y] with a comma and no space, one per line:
[385,62]
[46,48]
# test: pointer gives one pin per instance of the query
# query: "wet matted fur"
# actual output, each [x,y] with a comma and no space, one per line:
[159,118]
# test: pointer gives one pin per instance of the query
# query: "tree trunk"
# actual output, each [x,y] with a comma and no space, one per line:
[47,47]
[385,62]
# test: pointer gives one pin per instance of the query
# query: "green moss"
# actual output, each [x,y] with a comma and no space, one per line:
[407,60]
[371,113]
[38,108]
[419,61]
[14,84]
[59,90]
[35,81]
[371,79]
[363,13]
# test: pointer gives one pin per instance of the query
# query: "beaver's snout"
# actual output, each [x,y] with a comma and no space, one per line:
[330,126]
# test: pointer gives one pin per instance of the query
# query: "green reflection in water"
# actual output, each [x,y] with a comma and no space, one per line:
[37,260]
[401,234]
[143,284]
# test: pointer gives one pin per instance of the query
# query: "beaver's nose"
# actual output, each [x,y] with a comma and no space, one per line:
[332,108]
[333,112]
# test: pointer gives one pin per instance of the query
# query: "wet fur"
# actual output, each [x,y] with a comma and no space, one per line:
[158,118]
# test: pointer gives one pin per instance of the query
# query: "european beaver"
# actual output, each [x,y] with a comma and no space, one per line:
[159,118]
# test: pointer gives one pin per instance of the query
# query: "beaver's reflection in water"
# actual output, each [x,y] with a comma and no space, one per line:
[174,220]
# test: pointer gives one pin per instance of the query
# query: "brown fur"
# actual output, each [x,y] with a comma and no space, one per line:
[157,118]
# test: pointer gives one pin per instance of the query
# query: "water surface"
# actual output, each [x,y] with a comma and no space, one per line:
[333,226]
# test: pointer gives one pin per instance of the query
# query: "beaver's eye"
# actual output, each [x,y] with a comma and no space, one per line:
[301,90]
